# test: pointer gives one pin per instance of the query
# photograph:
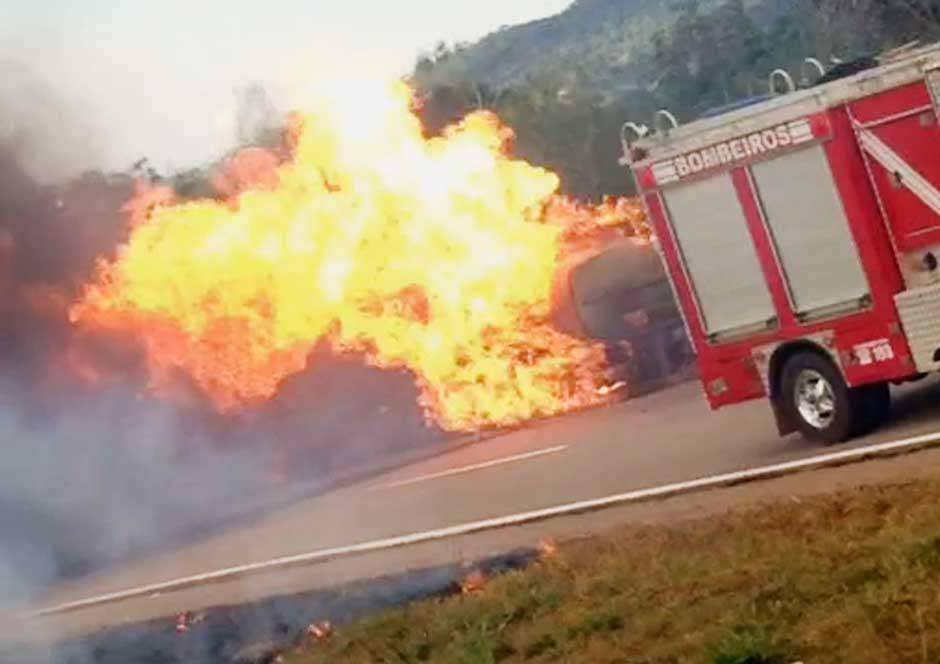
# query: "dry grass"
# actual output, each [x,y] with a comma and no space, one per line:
[853,577]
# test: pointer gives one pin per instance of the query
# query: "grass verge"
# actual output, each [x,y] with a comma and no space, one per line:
[851,577]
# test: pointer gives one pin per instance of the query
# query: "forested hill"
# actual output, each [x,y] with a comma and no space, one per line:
[566,83]
[594,39]
[598,33]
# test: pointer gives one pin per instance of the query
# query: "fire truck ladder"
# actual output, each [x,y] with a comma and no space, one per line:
[904,174]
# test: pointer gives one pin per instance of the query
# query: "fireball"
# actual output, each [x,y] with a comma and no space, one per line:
[433,254]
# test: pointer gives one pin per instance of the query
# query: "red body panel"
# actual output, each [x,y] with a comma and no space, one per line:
[904,119]
[729,371]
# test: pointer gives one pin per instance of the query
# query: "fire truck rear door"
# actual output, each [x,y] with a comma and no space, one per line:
[899,134]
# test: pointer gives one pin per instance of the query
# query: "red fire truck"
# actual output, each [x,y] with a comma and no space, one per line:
[801,235]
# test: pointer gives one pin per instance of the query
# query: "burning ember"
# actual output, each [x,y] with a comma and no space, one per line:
[186,619]
[473,582]
[437,255]
[547,548]
[319,631]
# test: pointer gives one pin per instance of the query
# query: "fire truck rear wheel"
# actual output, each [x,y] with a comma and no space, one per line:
[817,400]
[876,404]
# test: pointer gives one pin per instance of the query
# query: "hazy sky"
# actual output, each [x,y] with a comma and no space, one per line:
[156,76]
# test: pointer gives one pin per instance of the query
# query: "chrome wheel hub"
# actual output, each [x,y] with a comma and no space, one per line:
[814,398]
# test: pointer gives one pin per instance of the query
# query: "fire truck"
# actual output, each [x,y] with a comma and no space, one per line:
[801,236]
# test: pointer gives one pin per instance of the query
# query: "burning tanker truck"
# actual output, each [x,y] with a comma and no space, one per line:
[366,288]
[431,256]
[442,262]
[801,232]
[614,289]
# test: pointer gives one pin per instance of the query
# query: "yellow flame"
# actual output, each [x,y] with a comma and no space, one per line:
[432,254]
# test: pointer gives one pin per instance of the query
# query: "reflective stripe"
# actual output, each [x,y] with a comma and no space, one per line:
[894,163]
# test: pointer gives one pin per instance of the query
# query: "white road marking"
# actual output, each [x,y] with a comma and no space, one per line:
[470,469]
[727,479]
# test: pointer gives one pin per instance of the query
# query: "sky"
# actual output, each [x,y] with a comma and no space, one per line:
[157,78]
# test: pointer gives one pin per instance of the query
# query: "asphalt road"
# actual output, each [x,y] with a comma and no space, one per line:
[666,437]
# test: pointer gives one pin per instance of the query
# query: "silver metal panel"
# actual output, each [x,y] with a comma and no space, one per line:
[810,231]
[719,255]
[920,316]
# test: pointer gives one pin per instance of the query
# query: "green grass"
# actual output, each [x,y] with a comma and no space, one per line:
[852,577]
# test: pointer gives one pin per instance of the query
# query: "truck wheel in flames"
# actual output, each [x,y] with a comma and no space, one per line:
[817,400]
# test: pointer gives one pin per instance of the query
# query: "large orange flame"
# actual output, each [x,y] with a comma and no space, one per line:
[437,255]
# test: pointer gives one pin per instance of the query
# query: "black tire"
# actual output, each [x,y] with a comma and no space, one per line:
[876,406]
[846,417]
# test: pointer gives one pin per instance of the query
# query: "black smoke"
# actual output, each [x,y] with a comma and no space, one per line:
[92,472]
[89,474]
